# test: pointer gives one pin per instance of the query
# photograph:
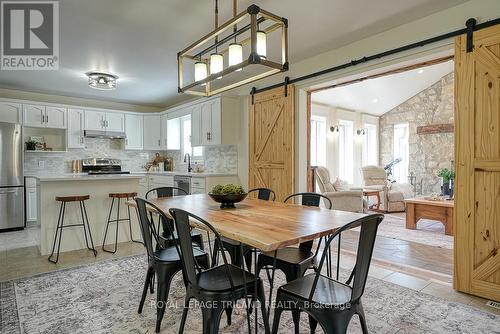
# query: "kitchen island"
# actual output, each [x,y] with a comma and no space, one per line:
[98,187]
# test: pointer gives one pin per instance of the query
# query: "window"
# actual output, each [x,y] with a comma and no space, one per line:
[401,151]
[370,156]
[195,152]
[318,141]
[346,145]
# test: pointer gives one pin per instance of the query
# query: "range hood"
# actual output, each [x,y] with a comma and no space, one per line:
[104,134]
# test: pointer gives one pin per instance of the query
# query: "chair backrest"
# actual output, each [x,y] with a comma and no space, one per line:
[185,247]
[374,175]
[369,225]
[265,194]
[324,181]
[148,230]
[310,199]
[162,192]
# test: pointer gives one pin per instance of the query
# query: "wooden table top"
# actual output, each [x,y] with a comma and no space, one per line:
[261,224]
[422,200]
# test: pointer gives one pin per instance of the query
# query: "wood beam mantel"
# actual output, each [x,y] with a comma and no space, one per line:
[435,128]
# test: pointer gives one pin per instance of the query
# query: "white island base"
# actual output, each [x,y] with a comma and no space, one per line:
[98,187]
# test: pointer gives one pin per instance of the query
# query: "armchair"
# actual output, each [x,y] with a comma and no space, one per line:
[392,194]
[345,200]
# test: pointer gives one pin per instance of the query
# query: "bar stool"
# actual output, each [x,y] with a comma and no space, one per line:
[119,196]
[60,224]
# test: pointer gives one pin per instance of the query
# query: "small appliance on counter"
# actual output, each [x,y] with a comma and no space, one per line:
[102,166]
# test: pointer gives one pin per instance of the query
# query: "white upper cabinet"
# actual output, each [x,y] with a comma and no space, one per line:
[215,122]
[134,125]
[164,132]
[10,112]
[34,115]
[152,132]
[115,122]
[44,117]
[55,117]
[75,128]
[94,120]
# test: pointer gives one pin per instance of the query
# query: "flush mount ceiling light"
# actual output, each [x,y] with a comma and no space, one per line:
[102,80]
[236,53]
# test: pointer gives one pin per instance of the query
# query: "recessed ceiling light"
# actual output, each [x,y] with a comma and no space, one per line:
[375,100]
[102,80]
[420,71]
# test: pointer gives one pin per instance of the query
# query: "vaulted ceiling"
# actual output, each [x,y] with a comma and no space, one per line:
[139,40]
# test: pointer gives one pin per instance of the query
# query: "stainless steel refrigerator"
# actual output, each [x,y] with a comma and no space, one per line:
[11,177]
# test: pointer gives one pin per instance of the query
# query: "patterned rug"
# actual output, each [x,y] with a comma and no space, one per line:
[428,232]
[103,298]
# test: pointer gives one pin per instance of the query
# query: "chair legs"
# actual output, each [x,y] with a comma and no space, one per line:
[165,275]
[147,285]
[117,221]
[184,314]
[61,226]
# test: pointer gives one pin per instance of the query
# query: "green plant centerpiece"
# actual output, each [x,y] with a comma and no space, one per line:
[30,145]
[227,195]
[447,175]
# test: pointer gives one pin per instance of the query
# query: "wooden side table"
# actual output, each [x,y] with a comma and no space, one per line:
[419,208]
[372,192]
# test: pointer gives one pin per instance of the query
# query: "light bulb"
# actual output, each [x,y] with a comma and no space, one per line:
[261,44]
[200,71]
[235,54]
[216,63]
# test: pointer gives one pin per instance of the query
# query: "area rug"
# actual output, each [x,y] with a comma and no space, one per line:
[103,298]
[428,232]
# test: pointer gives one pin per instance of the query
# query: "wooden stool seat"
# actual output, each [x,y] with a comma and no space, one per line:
[123,195]
[72,198]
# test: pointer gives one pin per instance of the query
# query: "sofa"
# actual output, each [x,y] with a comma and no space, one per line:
[342,197]
[392,195]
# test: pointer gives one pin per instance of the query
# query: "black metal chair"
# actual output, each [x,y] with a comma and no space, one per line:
[265,194]
[167,223]
[164,262]
[294,261]
[330,302]
[218,287]
[233,247]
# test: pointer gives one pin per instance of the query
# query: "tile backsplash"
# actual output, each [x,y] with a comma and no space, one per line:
[218,159]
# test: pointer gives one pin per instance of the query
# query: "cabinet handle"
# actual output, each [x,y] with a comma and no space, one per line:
[207,136]
[159,142]
[43,119]
[47,119]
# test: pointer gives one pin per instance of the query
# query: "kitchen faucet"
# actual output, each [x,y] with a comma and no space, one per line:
[187,158]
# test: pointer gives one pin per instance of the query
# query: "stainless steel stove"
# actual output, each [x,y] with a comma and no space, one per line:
[102,166]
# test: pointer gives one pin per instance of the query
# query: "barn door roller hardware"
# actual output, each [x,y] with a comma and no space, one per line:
[471,26]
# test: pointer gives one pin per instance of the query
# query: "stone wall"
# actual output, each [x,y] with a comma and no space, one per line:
[428,152]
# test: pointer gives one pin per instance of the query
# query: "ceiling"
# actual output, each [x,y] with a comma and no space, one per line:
[378,96]
[139,40]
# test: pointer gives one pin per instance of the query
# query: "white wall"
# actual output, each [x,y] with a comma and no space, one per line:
[438,23]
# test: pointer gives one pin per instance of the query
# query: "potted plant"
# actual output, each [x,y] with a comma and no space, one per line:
[227,195]
[30,145]
[447,175]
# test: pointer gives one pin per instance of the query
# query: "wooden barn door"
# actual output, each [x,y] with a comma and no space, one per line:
[477,199]
[272,127]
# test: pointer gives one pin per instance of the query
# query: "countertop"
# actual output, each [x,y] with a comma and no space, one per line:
[133,175]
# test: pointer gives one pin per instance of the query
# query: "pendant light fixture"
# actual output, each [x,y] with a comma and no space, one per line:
[244,40]
[261,44]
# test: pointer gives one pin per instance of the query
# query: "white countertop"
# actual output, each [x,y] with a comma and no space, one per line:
[133,175]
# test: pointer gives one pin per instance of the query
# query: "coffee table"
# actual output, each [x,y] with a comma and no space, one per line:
[420,208]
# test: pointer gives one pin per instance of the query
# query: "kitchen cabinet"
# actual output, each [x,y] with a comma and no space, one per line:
[31,200]
[164,132]
[104,121]
[198,185]
[11,112]
[44,117]
[75,128]
[215,122]
[94,120]
[152,132]
[156,181]
[134,125]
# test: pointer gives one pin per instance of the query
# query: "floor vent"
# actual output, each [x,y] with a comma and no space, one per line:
[493,304]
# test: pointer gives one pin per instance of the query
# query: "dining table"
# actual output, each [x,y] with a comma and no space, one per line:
[265,226]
